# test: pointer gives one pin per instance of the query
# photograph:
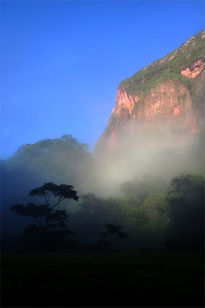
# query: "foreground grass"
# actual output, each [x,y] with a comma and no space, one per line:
[68,279]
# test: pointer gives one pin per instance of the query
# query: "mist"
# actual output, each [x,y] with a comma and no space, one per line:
[144,160]
[138,153]
[135,224]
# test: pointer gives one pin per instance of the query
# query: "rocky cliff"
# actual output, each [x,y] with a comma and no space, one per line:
[168,93]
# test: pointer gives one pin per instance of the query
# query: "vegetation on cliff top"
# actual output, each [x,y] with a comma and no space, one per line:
[167,68]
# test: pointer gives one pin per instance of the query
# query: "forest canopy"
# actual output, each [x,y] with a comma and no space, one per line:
[148,212]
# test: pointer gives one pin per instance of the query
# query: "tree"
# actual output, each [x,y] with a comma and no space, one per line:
[50,228]
[186,208]
[155,213]
[114,230]
[53,160]
[138,191]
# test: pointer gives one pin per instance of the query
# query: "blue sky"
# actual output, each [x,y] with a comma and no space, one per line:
[63,60]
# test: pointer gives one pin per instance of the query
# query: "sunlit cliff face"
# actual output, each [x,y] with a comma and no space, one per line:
[168,106]
[157,117]
[167,94]
[193,70]
[124,101]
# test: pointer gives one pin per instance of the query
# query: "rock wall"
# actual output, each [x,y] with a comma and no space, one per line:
[173,103]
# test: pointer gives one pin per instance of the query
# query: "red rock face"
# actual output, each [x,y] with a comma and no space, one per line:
[174,107]
[124,101]
[193,70]
[167,106]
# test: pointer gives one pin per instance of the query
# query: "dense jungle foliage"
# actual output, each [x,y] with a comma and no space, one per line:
[145,214]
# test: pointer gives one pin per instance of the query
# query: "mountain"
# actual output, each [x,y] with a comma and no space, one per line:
[168,94]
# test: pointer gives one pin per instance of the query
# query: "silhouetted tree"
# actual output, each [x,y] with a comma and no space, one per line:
[51,160]
[114,230]
[50,229]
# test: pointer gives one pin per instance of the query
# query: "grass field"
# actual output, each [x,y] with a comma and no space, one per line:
[118,279]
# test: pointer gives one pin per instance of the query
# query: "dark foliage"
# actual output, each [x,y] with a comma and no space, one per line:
[50,230]
[62,191]
[51,160]
[186,211]
[114,230]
